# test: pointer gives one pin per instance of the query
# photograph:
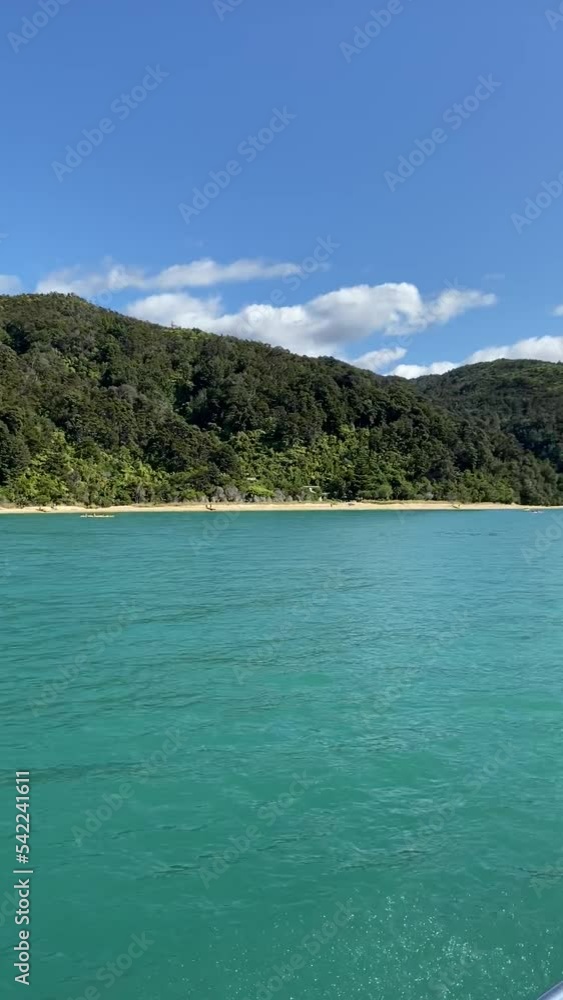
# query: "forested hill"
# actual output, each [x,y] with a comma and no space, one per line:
[523,398]
[100,408]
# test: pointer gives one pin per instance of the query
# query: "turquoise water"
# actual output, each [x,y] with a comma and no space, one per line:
[298,755]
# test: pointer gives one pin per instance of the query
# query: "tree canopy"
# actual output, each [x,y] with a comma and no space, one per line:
[100,408]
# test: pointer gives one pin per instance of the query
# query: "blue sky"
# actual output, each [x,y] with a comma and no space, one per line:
[294,172]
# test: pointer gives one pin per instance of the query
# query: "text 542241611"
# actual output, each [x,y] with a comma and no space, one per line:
[22,817]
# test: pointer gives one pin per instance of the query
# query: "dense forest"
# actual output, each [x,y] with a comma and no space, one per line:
[99,408]
[521,398]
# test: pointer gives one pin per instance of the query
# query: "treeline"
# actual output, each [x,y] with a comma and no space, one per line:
[98,408]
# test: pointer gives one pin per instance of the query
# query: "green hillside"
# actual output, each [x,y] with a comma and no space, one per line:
[523,398]
[99,408]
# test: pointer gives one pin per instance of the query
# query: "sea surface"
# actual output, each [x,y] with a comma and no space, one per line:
[294,755]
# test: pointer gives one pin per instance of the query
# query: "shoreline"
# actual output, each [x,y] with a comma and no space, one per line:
[199,508]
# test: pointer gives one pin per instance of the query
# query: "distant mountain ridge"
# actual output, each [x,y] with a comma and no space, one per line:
[100,408]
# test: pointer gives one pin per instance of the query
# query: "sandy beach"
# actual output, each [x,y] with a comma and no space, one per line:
[201,508]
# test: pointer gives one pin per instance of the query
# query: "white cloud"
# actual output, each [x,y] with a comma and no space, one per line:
[558,311]
[414,371]
[10,284]
[454,302]
[326,324]
[206,272]
[202,273]
[374,361]
[178,308]
[532,349]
